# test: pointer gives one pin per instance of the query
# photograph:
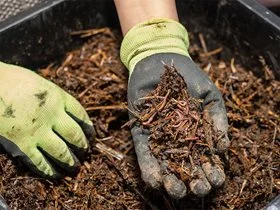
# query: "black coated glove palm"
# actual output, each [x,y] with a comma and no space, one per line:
[166,42]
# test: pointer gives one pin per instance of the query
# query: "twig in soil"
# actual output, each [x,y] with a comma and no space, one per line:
[86,90]
[102,197]
[92,32]
[30,178]
[108,107]
[232,66]
[207,68]
[46,71]
[242,186]
[213,52]
[191,161]
[64,205]
[109,151]
[255,169]
[105,138]
[202,42]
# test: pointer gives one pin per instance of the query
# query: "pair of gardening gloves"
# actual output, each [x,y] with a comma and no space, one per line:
[49,131]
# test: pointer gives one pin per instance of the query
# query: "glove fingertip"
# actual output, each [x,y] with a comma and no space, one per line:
[223,144]
[149,166]
[88,129]
[151,173]
[48,171]
[174,187]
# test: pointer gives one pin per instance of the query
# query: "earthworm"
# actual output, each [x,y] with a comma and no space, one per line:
[177,125]
[163,103]
[150,119]
[194,116]
[180,115]
[194,138]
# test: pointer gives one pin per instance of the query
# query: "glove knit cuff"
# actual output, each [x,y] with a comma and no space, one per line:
[152,37]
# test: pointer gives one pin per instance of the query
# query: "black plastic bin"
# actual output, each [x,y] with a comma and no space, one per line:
[41,34]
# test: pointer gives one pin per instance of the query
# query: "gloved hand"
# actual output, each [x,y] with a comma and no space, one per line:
[143,50]
[3,204]
[39,122]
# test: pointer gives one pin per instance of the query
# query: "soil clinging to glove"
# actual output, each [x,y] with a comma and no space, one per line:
[182,135]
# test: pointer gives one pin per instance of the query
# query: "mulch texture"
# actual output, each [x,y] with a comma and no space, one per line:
[110,179]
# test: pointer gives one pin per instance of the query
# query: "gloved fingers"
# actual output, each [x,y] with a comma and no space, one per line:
[36,161]
[76,111]
[3,204]
[149,166]
[217,112]
[72,133]
[31,157]
[174,186]
[87,129]
[75,108]
[200,186]
[56,150]
[214,173]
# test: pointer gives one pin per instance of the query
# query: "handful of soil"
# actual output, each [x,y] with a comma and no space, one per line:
[182,135]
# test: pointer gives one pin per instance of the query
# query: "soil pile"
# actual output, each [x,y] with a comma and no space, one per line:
[110,178]
[182,135]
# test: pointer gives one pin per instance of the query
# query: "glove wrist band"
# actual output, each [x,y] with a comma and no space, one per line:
[152,37]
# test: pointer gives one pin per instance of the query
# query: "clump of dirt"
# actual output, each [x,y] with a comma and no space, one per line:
[110,179]
[181,134]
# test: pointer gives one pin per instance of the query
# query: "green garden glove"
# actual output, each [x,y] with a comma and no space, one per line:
[39,122]
[143,50]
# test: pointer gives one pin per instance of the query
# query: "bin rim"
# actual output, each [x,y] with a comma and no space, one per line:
[28,14]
